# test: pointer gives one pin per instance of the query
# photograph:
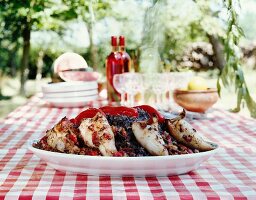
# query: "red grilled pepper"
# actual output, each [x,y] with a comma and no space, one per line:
[73,120]
[152,112]
[88,113]
[73,137]
[120,110]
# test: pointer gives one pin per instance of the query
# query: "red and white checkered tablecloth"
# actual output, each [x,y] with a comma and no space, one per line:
[230,174]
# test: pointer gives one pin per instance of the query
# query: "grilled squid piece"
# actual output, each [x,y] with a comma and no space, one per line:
[62,137]
[149,137]
[183,132]
[96,132]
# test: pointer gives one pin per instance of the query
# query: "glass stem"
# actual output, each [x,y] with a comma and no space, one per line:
[158,100]
[122,99]
[171,101]
[131,100]
[165,100]
[142,97]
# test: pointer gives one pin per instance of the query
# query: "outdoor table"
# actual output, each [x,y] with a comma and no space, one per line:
[229,174]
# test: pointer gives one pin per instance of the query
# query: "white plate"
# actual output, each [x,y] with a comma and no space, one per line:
[122,166]
[69,60]
[71,94]
[70,102]
[69,86]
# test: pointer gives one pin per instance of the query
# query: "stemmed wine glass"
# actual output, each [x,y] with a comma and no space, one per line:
[165,90]
[133,85]
[159,86]
[177,80]
[146,85]
[119,85]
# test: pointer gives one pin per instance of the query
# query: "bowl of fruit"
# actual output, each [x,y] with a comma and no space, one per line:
[197,97]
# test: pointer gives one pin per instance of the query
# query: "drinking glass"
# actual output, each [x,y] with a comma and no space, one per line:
[119,85]
[165,91]
[146,87]
[177,80]
[133,85]
[159,85]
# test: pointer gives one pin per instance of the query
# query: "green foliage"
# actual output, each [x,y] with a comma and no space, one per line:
[17,13]
[14,15]
[172,25]
[88,12]
[247,19]
[232,72]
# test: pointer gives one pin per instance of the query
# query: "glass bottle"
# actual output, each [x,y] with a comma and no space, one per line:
[114,66]
[125,56]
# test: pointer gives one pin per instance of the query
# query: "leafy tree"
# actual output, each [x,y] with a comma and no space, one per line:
[232,72]
[20,19]
[89,12]
[8,56]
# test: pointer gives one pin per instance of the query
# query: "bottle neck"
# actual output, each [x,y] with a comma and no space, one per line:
[122,48]
[114,48]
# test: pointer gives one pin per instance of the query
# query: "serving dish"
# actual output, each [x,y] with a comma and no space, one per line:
[196,100]
[123,166]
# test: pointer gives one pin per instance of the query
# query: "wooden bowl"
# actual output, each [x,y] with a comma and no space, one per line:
[196,100]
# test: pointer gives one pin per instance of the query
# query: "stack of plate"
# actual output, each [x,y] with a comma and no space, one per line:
[70,94]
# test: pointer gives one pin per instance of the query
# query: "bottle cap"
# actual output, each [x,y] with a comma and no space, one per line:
[113,40]
[121,40]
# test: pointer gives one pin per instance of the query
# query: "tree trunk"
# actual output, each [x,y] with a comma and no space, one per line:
[25,57]
[1,83]
[217,46]
[93,49]
[12,61]
[40,64]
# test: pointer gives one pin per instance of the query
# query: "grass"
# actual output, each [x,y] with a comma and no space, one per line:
[8,105]
[10,89]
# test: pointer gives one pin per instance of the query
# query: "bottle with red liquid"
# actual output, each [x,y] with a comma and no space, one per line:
[125,56]
[114,65]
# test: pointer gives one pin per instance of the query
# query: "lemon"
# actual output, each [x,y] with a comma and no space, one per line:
[197,83]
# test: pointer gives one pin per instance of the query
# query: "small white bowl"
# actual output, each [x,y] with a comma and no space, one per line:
[69,86]
[72,94]
[71,102]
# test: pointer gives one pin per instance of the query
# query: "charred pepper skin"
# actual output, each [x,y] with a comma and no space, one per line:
[152,112]
[88,113]
[120,110]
